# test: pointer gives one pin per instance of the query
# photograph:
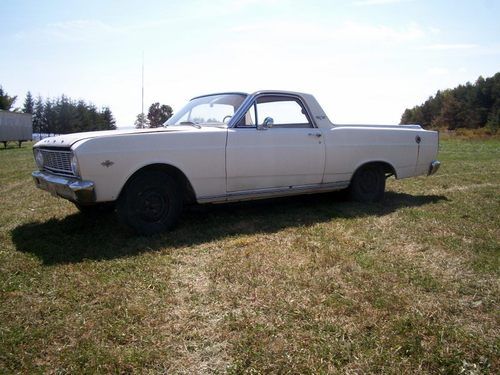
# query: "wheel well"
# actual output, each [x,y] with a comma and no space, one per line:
[387,168]
[176,173]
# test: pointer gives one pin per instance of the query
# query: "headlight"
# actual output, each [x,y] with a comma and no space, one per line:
[39,158]
[74,165]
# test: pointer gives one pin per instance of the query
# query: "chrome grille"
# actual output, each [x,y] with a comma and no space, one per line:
[58,162]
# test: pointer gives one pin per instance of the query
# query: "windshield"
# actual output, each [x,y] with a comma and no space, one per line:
[208,110]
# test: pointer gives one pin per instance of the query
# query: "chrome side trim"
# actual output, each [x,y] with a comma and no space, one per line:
[68,188]
[273,192]
[433,168]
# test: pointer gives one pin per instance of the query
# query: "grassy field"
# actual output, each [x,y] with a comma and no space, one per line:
[311,284]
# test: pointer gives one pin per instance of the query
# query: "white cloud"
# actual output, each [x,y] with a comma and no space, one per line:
[366,32]
[294,31]
[436,71]
[73,31]
[449,46]
[380,2]
[434,30]
[81,29]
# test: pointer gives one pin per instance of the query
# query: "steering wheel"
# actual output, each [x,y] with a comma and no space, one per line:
[226,117]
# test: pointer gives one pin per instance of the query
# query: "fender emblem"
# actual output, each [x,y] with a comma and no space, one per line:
[107,163]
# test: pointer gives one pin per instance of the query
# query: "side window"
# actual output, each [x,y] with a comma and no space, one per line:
[286,112]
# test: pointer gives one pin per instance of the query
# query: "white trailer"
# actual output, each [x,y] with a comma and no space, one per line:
[15,127]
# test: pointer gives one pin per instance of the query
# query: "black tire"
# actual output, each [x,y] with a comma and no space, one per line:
[151,203]
[96,209]
[368,184]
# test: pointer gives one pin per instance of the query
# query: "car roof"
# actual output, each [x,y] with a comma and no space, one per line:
[260,92]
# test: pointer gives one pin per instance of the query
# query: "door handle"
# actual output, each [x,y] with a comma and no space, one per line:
[314,134]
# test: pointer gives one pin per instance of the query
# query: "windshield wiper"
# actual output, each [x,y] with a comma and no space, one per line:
[190,123]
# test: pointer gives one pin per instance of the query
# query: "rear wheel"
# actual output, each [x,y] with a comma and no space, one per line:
[151,202]
[368,184]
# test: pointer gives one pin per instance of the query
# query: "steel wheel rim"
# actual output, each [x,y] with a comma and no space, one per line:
[152,205]
[369,181]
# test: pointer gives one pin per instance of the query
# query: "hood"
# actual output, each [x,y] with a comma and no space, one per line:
[67,140]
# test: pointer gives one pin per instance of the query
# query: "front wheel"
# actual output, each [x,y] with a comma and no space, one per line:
[151,202]
[368,184]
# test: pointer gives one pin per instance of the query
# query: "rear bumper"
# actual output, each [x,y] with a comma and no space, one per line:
[65,187]
[433,168]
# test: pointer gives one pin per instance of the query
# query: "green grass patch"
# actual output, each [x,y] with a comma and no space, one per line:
[312,284]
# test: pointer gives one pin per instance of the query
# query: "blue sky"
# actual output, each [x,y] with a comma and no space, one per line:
[364,60]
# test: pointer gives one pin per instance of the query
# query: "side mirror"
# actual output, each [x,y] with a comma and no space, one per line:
[267,124]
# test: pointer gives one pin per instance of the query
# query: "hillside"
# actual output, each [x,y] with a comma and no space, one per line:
[466,106]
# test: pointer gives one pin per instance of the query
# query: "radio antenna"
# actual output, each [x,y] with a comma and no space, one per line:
[142,99]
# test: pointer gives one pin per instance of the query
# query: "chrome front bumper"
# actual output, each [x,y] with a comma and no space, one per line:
[65,187]
[433,168]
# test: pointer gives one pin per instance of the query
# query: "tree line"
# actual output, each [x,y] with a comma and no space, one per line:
[60,115]
[466,106]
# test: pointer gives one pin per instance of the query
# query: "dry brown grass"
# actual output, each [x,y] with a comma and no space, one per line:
[310,284]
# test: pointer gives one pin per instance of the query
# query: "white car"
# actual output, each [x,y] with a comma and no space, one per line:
[229,147]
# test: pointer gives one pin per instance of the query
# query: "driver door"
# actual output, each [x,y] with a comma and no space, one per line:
[275,145]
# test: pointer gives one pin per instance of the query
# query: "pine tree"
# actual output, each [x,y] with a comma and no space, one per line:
[29,104]
[109,121]
[141,122]
[67,119]
[82,117]
[450,112]
[49,118]
[6,101]
[93,117]
[38,116]
[63,115]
